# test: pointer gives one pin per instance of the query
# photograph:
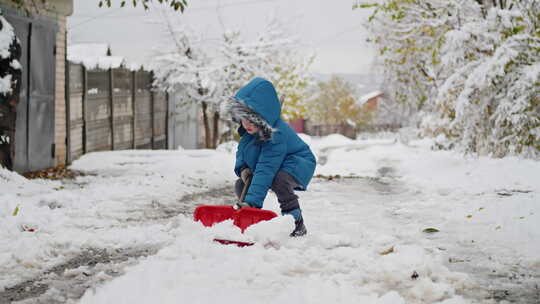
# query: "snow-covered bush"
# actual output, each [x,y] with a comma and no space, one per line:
[9,51]
[10,84]
[490,104]
[470,69]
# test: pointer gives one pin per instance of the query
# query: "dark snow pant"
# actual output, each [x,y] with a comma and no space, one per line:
[283,186]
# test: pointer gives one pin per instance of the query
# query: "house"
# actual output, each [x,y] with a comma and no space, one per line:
[40,131]
[370,100]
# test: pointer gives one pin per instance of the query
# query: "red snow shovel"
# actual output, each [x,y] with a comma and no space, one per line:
[242,218]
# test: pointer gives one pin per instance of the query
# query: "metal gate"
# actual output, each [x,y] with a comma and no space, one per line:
[34,132]
[183,124]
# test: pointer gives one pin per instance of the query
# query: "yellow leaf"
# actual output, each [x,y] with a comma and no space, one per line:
[469,216]
[388,251]
[16,211]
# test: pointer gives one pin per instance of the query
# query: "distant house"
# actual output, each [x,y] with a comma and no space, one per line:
[371,100]
[298,125]
[40,132]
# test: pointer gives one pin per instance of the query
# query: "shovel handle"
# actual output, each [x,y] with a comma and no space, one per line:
[245,189]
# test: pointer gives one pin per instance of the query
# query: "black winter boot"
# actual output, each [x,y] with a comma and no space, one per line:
[299,229]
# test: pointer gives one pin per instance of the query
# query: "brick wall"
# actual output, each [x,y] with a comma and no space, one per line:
[60,97]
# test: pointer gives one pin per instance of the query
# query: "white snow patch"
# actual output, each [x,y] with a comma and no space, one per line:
[94,55]
[6,37]
[5,84]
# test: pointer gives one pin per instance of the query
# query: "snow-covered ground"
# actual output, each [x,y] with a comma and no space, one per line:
[367,240]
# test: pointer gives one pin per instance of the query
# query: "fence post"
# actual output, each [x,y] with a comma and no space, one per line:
[111,105]
[68,111]
[133,94]
[84,106]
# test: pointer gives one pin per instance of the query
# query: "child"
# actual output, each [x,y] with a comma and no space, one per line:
[270,151]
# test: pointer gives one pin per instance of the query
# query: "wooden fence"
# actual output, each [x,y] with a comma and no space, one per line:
[113,109]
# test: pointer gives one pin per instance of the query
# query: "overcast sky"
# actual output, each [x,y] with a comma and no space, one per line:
[330,29]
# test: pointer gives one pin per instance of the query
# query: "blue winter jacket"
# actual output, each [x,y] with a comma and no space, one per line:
[285,150]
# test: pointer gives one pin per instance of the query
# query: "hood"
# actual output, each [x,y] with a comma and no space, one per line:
[257,102]
[260,95]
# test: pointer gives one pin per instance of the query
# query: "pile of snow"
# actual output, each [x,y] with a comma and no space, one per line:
[277,269]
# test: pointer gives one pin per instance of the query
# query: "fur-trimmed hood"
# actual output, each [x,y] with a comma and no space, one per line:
[257,102]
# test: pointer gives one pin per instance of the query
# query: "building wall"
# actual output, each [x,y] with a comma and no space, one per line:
[371,104]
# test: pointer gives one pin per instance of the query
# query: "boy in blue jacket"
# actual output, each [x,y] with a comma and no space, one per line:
[269,151]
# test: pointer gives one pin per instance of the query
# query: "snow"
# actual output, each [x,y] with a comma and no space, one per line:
[331,140]
[5,84]
[365,236]
[15,64]
[94,211]
[94,55]
[6,37]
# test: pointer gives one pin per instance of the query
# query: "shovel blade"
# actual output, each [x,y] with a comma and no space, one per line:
[247,216]
[209,215]
[231,242]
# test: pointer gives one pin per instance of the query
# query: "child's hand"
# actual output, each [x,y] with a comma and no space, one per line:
[245,174]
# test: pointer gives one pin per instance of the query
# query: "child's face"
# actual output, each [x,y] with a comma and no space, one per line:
[249,126]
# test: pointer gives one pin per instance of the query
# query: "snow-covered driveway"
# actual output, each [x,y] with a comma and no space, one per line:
[369,239]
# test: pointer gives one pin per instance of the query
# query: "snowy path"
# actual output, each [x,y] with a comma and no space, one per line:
[121,236]
[353,223]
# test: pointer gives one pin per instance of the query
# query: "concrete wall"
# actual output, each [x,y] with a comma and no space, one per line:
[184,128]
